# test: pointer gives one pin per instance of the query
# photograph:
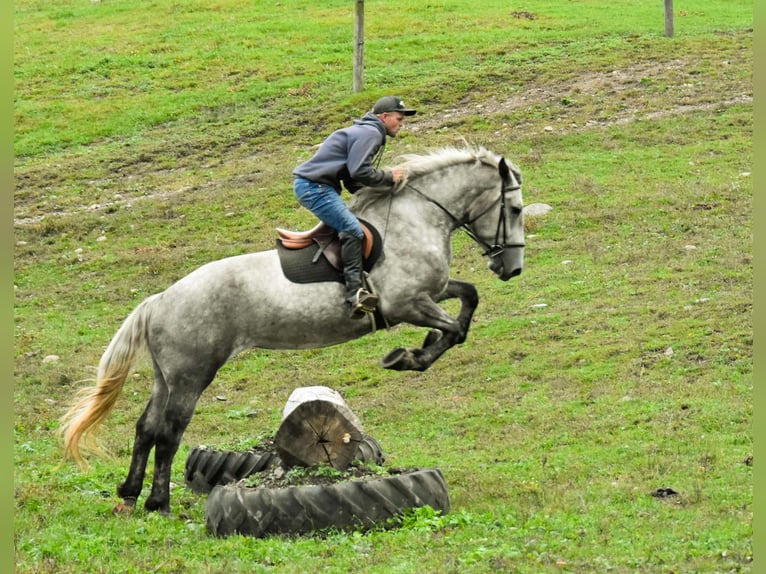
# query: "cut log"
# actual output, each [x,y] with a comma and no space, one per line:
[318,427]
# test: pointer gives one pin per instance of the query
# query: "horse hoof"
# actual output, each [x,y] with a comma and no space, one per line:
[402,360]
[159,508]
[125,507]
[396,360]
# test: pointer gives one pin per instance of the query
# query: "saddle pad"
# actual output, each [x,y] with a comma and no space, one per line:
[299,266]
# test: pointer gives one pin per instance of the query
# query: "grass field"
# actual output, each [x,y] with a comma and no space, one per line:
[151,138]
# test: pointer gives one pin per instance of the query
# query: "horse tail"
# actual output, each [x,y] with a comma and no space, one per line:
[93,404]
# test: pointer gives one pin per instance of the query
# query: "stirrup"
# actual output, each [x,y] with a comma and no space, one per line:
[364,302]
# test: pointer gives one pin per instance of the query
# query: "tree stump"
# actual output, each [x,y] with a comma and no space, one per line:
[318,427]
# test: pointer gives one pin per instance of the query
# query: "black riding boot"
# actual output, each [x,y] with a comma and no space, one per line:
[359,300]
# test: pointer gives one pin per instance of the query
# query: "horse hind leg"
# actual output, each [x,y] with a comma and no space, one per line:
[146,430]
[177,413]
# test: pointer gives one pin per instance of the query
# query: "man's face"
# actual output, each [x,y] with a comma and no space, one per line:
[393,122]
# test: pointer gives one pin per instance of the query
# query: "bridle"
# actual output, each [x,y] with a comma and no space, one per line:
[500,243]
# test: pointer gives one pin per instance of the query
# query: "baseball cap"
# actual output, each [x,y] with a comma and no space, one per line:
[392,104]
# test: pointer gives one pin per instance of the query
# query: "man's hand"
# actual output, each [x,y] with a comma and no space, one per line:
[400,178]
[400,174]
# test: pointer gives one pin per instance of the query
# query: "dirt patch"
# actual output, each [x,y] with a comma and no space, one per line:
[593,85]
[280,477]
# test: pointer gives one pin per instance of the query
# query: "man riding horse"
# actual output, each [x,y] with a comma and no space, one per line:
[349,158]
[200,322]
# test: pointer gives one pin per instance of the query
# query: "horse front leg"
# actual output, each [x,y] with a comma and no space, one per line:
[446,331]
[469,300]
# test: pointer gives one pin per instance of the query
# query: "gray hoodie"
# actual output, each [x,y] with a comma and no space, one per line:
[346,157]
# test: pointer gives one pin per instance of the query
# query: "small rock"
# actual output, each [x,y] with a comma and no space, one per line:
[664,492]
[537,209]
[51,359]
[669,351]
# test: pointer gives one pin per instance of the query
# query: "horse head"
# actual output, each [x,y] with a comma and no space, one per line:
[500,227]
[510,261]
[478,190]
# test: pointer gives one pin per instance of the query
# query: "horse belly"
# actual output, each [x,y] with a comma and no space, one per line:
[245,302]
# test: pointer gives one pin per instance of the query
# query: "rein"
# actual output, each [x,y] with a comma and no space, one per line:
[500,244]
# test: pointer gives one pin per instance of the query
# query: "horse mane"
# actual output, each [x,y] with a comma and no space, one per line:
[417,165]
[422,164]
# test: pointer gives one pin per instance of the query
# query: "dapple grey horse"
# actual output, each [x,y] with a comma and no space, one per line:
[224,307]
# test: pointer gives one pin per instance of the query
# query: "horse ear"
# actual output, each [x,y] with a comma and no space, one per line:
[505,173]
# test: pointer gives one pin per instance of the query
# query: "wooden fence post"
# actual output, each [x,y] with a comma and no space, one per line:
[359,46]
[669,18]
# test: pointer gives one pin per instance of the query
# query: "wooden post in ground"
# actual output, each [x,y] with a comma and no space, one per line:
[669,18]
[318,427]
[359,46]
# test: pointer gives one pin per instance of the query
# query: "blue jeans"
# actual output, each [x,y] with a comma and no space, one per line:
[325,202]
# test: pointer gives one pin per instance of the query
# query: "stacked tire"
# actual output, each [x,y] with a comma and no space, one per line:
[206,468]
[355,504]
[233,508]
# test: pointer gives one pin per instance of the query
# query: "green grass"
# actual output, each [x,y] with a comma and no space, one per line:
[153,138]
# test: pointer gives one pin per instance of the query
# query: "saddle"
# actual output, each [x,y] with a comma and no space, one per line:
[325,238]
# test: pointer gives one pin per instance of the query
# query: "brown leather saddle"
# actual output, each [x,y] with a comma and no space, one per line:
[326,239]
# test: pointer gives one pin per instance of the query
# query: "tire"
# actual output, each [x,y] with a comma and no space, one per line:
[370,451]
[206,468]
[355,504]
